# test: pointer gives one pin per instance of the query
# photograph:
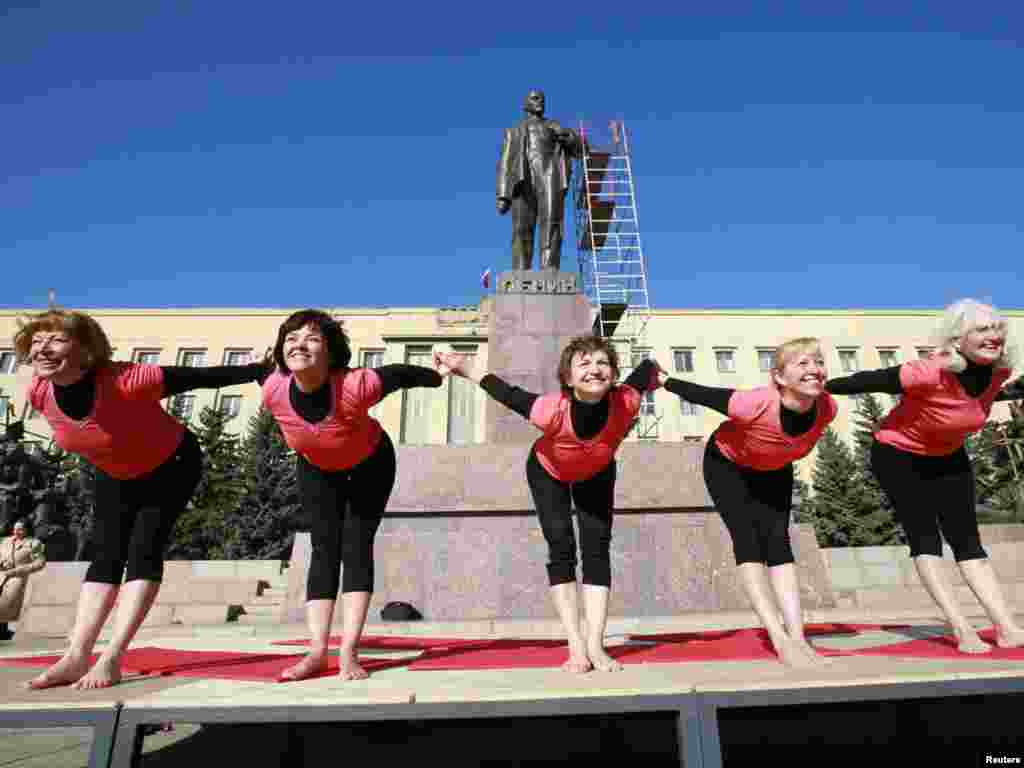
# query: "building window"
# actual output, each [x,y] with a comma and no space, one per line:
[8,361]
[683,360]
[147,356]
[637,356]
[765,359]
[193,358]
[420,403]
[237,356]
[693,439]
[230,405]
[923,353]
[726,360]
[373,358]
[687,408]
[182,405]
[463,403]
[647,404]
[888,358]
[848,361]
[5,407]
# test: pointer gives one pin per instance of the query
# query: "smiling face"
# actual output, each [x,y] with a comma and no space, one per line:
[591,375]
[983,343]
[305,350]
[56,355]
[803,372]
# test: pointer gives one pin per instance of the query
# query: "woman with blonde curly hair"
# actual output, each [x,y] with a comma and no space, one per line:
[748,470]
[147,467]
[919,458]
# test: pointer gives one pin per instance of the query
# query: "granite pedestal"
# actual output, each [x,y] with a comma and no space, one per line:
[535,315]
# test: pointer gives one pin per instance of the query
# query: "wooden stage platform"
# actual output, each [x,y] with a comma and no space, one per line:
[699,698]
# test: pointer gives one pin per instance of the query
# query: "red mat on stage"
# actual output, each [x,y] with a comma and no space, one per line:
[944,647]
[224,665]
[726,645]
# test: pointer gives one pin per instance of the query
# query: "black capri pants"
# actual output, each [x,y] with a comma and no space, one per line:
[929,493]
[345,509]
[134,518]
[593,499]
[754,505]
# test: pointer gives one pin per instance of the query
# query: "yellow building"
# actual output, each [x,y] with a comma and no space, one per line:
[722,348]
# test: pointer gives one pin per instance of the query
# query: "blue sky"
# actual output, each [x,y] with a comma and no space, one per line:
[330,154]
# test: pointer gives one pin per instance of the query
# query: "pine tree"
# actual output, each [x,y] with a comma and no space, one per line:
[877,516]
[997,456]
[199,533]
[263,523]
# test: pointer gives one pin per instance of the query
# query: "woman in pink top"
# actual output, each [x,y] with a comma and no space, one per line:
[147,467]
[919,458]
[345,467]
[574,462]
[748,469]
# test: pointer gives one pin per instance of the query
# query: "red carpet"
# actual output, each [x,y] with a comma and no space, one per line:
[224,665]
[396,642]
[810,630]
[944,647]
[727,645]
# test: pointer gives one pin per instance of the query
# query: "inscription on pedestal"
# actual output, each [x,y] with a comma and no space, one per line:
[539,282]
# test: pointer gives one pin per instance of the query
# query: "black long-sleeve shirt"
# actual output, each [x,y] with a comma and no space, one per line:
[76,400]
[975,379]
[313,407]
[588,419]
[717,399]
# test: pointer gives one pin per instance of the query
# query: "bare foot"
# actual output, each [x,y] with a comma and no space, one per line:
[601,660]
[578,661]
[1012,639]
[69,669]
[969,642]
[349,669]
[105,673]
[312,664]
[792,655]
[811,652]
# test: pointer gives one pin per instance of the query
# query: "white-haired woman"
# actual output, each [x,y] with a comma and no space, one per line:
[919,458]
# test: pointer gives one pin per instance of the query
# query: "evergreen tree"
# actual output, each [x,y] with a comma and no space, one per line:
[837,501]
[199,533]
[877,516]
[997,456]
[77,478]
[262,524]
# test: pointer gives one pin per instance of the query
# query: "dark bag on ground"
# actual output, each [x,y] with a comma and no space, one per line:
[400,612]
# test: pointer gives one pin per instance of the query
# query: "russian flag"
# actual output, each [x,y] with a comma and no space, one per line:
[485,278]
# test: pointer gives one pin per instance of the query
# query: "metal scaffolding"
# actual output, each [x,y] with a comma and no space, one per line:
[608,243]
[613,270]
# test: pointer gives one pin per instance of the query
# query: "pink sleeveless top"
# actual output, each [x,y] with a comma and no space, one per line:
[753,437]
[562,453]
[347,435]
[127,434]
[935,414]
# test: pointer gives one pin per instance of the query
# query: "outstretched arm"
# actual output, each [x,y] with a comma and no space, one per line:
[643,376]
[513,397]
[886,380]
[715,398]
[402,376]
[179,378]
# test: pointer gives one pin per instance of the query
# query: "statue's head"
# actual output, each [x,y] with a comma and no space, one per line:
[534,102]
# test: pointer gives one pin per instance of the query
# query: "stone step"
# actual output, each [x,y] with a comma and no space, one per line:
[258,609]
